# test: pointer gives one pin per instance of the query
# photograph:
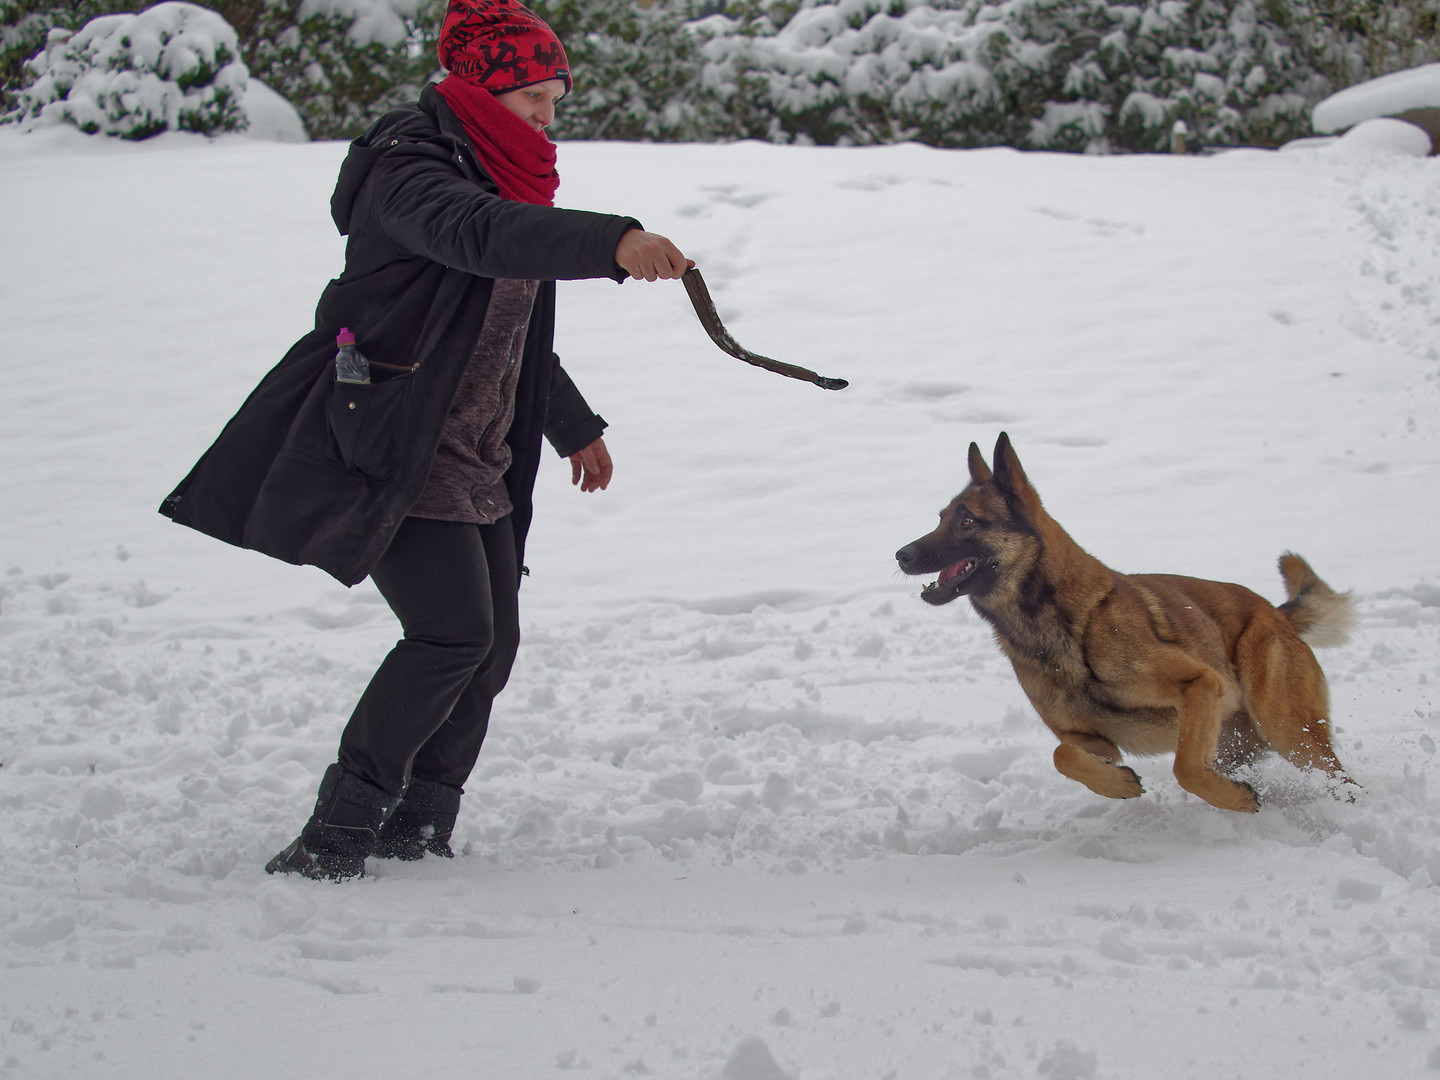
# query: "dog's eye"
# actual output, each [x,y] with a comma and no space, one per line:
[965,521]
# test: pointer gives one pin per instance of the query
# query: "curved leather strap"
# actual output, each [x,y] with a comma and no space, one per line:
[705,308]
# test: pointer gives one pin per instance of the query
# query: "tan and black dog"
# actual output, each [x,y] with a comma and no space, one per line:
[1141,663]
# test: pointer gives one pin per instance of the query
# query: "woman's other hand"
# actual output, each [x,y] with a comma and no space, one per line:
[591,468]
[650,256]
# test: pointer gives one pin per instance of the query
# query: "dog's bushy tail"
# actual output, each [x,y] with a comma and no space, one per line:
[1319,614]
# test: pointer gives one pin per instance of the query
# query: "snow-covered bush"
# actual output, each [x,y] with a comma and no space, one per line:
[22,35]
[1092,75]
[636,70]
[1356,40]
[339,62]
[174,67]
[1217,65]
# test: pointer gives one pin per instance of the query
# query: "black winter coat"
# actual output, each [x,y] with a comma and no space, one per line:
[316,472]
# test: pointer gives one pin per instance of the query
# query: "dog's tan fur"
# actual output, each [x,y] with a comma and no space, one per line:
[1140,663]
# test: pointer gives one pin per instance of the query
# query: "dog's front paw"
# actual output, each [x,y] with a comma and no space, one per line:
[1253,805]
[1104,776]
[1219,791]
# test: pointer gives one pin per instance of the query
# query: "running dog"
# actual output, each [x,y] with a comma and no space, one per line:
[1141,663]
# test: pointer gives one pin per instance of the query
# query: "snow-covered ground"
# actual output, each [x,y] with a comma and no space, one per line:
[749,810]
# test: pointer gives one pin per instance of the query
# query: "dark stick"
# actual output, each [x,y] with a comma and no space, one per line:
[705,308]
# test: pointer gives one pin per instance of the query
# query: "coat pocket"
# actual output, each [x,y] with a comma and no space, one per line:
[365,422]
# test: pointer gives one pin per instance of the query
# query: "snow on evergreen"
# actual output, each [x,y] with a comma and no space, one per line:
[1084,75]
[1096,76]
[374,22]
[173,67]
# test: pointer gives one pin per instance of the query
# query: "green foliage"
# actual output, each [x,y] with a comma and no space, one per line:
[173,67]
[24,25]
[338,84]
[636,71]
[1353,40]
[1092,75]
[1144,66]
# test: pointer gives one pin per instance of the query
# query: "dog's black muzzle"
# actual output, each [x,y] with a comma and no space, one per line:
[957,570]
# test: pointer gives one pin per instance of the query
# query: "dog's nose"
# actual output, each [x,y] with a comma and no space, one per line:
[905,556]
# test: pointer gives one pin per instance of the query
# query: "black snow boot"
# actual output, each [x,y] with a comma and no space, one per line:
[332,846]
[422,822]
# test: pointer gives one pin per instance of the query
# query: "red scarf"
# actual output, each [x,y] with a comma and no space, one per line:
[521,159]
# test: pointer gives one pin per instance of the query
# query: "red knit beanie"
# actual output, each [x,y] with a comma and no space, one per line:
[500,45]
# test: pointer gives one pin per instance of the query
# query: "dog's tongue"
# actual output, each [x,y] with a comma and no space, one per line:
[954,570]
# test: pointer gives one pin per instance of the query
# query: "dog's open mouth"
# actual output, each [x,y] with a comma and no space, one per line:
[951,582]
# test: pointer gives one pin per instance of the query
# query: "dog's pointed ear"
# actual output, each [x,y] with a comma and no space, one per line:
[979,471]
[1010,474]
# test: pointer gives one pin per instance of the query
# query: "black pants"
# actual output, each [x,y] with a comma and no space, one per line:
[454,587]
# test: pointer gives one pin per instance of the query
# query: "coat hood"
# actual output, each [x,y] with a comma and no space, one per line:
[427,126]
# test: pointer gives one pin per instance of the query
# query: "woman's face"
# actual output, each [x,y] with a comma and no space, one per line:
[535,104]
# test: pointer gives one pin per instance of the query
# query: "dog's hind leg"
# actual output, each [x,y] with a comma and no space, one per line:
[1095,762]
[1289,701]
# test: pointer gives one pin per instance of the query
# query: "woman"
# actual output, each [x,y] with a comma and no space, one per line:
[421,477]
